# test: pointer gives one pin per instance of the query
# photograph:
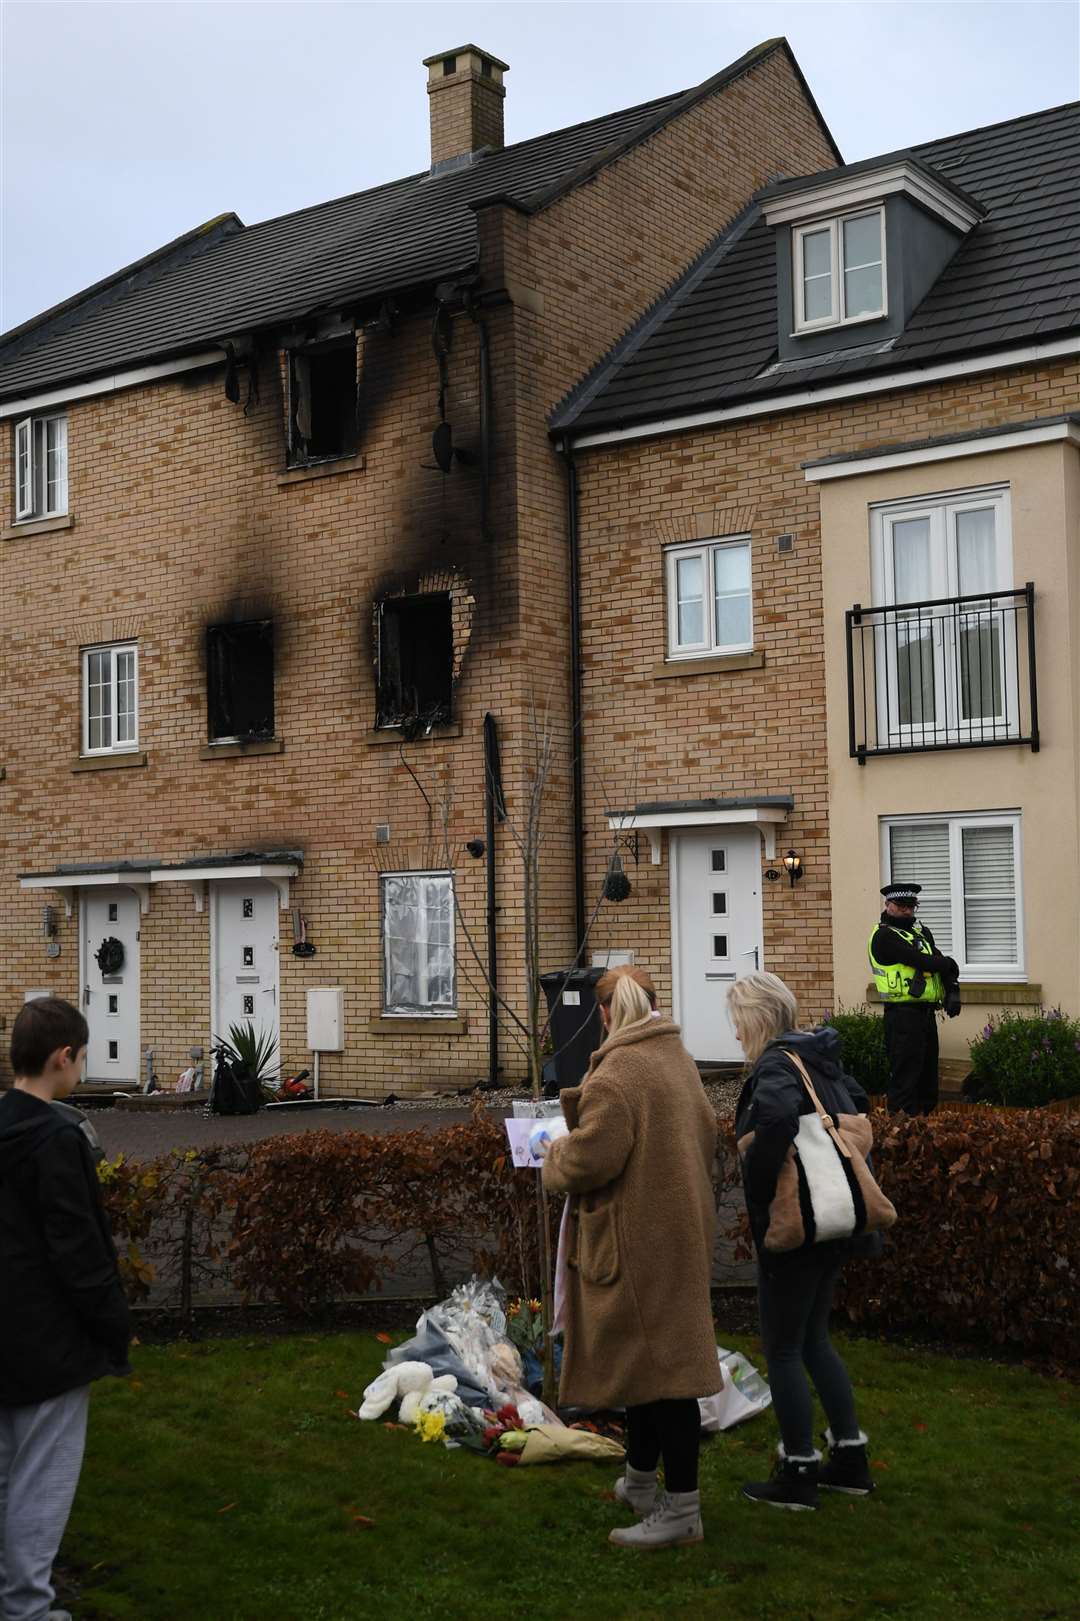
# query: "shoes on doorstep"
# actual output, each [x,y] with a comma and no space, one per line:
[675,1522]
[793,1483]
[637,1488]
[847,1469]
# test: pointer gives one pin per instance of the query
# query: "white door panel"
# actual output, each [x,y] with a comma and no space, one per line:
[244,923]
[716,931]
[111,1000]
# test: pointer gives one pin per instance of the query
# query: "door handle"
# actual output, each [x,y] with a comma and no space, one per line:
[755,953]
[86,996]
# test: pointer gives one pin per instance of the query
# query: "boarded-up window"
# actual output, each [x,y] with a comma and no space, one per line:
[240,681]
[416,660]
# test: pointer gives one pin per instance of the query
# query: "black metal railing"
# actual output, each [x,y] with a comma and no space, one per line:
[952,673]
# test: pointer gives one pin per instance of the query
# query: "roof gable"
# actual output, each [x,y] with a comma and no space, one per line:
[408,233]
[1015,279]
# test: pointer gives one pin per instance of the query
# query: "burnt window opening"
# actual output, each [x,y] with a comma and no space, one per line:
[240,681]
[322,403]
[416,661]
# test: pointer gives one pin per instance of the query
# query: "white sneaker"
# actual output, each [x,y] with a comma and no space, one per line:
[675,1522]
[637,1488]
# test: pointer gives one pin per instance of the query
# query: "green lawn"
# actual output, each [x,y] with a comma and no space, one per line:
[222,1481]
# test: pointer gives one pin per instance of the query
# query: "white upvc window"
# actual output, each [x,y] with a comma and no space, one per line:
[41,489]
[418,943]
[110,702]
[970,870]
[839,270]
[709,602]
[948,672]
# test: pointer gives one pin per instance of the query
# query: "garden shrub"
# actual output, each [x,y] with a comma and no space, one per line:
[862,1046]
[987,1244]
[1026,1059]
[987,1241]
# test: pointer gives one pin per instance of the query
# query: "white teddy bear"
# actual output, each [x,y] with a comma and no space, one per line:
[407,1382]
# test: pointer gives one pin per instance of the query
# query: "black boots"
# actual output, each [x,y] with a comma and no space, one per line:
[847,1469]
[793,1483]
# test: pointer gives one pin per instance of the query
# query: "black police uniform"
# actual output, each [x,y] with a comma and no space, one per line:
[911,1037]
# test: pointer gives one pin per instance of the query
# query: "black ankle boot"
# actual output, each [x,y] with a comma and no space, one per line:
[793,1483]
[847,1470]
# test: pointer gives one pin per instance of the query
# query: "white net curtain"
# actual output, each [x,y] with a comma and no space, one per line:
[418,942]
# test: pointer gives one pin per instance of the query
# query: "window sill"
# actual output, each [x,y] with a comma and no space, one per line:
[232,751]
[302,475]
[710,664]
[432,1024]
[393,734]
[988,993]
[37,526]
[108,762]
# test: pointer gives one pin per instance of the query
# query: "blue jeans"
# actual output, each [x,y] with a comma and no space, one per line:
[795,1294]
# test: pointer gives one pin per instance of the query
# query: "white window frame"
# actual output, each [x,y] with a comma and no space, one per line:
[113,649]
[999,973]
[709,647]
[837,315]
[428,1010]
[941,510]
[31,468]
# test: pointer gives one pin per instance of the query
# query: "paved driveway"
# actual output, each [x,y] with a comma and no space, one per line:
[140,1134]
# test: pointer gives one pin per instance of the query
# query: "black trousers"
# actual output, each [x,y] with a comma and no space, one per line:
[911,1042]
[668,1429]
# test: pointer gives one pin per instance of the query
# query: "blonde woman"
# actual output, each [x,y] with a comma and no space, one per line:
[637,1163]
[795,1288]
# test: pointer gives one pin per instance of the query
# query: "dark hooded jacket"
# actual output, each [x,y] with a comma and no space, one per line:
[63,1314]
[770,1104]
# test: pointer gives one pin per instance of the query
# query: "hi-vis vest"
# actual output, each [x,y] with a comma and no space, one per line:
[893,980]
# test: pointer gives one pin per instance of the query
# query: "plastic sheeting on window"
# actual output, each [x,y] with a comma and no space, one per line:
[418,942]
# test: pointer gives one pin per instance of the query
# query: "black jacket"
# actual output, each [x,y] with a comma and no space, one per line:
[63,1314]
[770,1104]
[887,948]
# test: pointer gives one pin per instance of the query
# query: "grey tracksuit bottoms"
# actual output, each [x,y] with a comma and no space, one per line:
[41,1453]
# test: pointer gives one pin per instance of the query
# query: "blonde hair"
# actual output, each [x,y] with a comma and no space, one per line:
[629,994]
[762,1007]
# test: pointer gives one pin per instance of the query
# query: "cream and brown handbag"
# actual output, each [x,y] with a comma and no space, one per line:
[827,1162]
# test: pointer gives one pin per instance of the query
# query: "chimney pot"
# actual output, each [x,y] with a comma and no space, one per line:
[465,101]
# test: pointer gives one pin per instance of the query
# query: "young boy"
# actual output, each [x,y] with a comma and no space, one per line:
[62,1305]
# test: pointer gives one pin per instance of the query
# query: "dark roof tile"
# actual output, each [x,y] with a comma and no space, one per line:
[1015,278]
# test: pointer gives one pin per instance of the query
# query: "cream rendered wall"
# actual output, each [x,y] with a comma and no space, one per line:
[1044,483]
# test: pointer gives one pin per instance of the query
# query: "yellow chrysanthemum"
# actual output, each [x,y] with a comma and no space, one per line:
[431,1426]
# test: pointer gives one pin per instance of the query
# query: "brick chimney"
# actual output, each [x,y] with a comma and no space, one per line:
[466,105]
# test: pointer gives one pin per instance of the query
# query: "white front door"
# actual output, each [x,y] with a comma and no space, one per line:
[244,961]
[109,929]
[716,932]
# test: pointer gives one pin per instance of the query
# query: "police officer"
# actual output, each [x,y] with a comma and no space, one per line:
[913,979]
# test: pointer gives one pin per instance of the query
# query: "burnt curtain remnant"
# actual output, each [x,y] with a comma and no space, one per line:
[416,661]
[240,681]
[322,403]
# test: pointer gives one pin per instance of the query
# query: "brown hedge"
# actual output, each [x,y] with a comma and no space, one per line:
[987,1241]
[987,1245]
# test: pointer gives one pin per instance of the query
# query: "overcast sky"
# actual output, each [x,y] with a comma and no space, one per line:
[124,125]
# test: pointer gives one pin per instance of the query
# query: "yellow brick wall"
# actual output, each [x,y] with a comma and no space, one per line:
[181,518]
[746,732]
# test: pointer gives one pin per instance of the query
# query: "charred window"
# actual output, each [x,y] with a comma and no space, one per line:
[322,403]
[416,661]
[240,681]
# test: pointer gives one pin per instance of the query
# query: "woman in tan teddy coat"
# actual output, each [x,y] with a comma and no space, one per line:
[637,1247]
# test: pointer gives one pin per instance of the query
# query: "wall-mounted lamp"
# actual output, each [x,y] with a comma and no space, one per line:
[475,847]
[793,867]
[48,922]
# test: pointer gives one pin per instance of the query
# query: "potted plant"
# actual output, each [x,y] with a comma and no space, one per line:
[251,1055]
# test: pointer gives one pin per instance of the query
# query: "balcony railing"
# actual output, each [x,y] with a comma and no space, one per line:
[953,673]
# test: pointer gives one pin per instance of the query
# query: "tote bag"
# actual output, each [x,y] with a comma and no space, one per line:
[825,1189]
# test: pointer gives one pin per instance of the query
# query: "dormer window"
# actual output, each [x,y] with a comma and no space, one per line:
[839,270]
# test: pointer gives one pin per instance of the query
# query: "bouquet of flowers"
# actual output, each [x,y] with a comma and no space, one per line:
[525,1325]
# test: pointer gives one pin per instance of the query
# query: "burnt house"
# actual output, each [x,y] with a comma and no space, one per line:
[283,524]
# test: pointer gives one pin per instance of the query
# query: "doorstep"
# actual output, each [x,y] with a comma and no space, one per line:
[162,1102]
